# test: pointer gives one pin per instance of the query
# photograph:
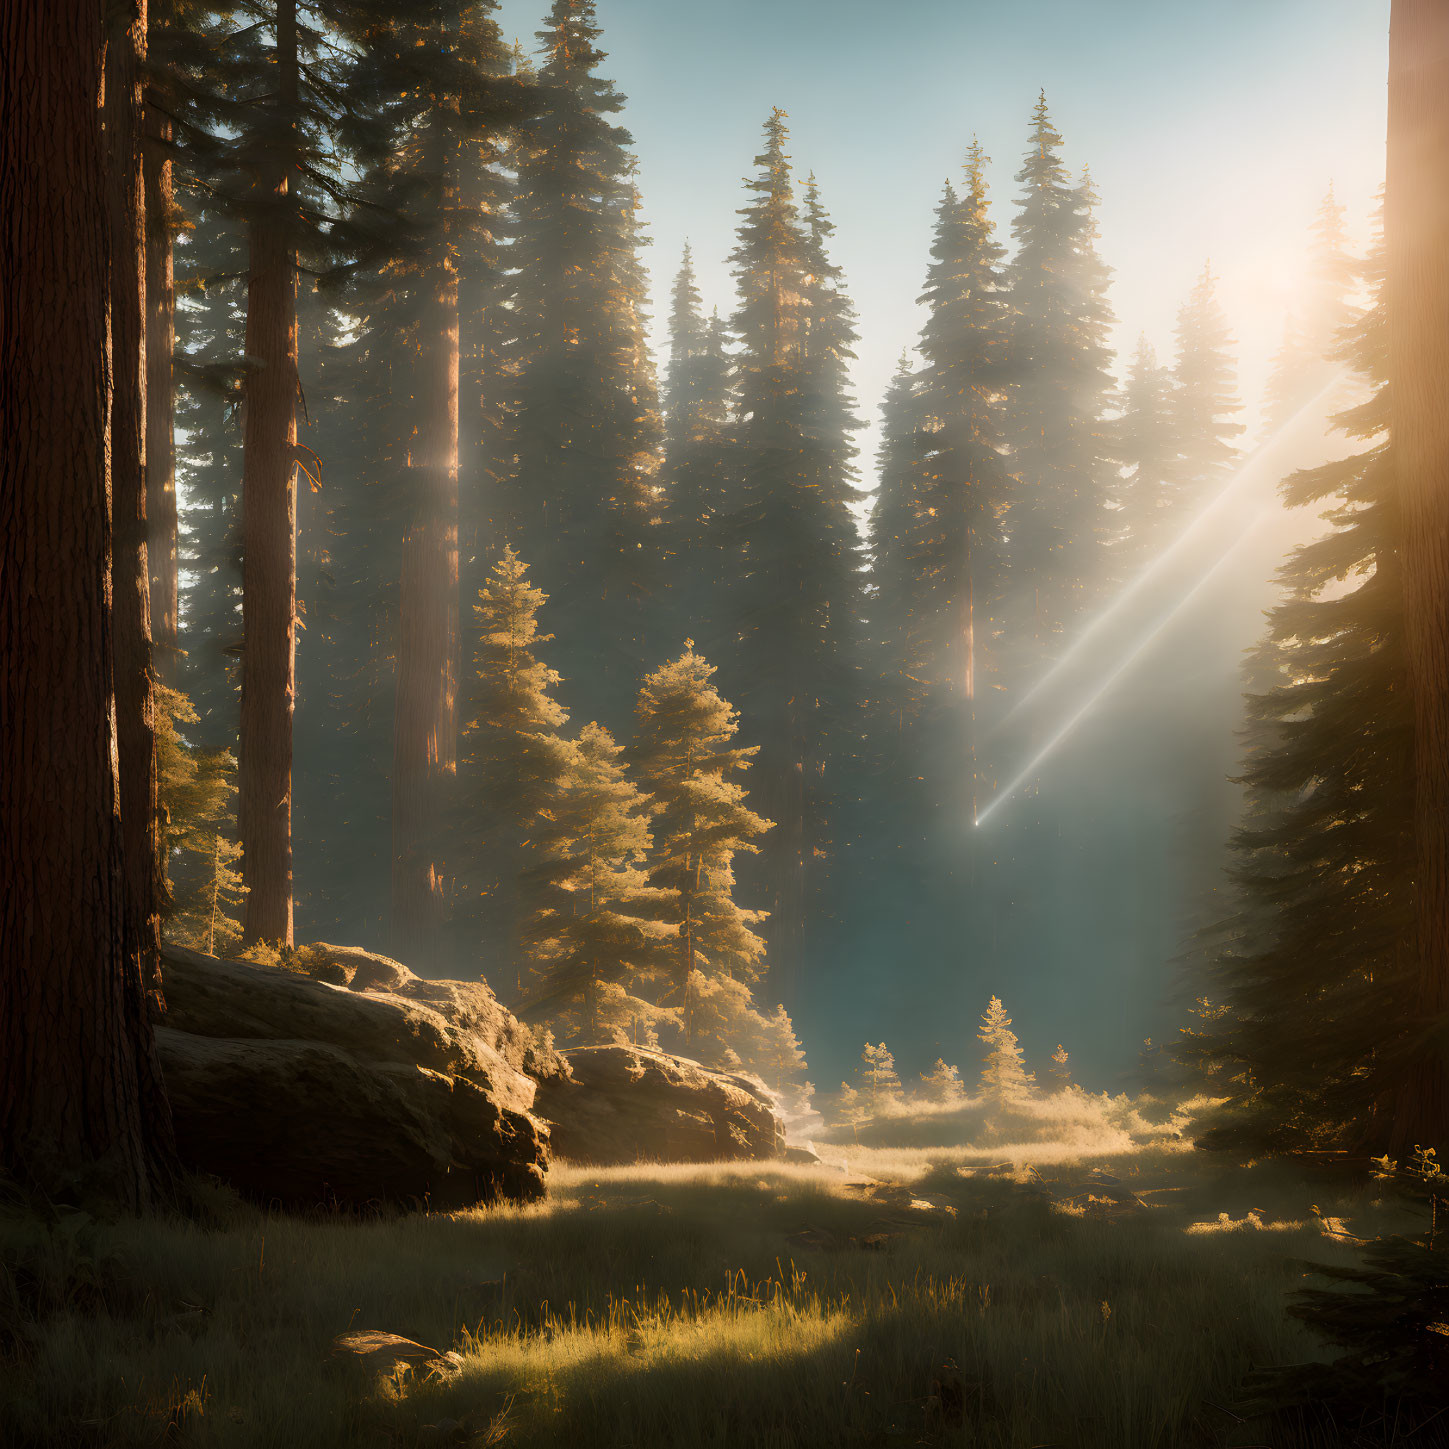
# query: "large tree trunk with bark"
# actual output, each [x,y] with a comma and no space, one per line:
[161,515]
[269,533]
[82,1112]
[1417,234]
[130,582]
[425,723]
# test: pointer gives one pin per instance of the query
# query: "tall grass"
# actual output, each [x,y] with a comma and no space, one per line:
[701,1306]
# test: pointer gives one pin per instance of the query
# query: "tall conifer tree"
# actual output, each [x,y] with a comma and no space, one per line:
[581,501]
[795,609]
[1205,396]
[1059,384]
[515,762]
[1148,449]
[1312,986]
[961,561]
[898,607]
[694,476]
[598,932]
[1303,365]
[686,757]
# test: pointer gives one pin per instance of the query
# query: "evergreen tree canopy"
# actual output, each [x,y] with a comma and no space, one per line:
[581,500]
[1059,383]
[880,1087]
[1060,1070]
[897,607]
[1312,979]
[1148,448]
[960,563]
[596,927]
[695,473]
[1311,337]
[1206,392]
[686,758]
[942,1084]
[1003,1073]
[515,765]
[795,610]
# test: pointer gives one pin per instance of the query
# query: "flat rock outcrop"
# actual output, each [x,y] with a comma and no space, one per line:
[621,1104]
[387,1088]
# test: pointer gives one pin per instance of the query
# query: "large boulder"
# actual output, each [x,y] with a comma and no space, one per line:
[622,1104]
[392,1090]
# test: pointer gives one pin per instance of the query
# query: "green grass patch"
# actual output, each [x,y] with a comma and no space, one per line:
[901,1296]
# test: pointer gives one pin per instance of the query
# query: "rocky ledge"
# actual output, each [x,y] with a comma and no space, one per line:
[622,1104]
[376,1087]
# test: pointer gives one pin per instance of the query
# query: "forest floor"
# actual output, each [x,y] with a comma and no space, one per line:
[1100,1286]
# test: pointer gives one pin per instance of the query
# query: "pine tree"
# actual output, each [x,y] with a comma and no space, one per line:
[208,916]
[1302,365]
[900,642]
[1205,395]
[851,1109]
[1004,1076]
[1060,1070]
[440,98]
[686,758]
[694,474]
[597,929]
[516,764]
[1314,973]
[880,1087]
[197,791]
[961,564]
[942,1085]
[581,501]
[1148,447]
[795,608]
[1059,385]
[777,1057]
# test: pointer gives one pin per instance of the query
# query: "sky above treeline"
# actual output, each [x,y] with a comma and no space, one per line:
[1212,132]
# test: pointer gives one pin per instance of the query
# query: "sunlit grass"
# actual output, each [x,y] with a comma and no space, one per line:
[899,1295]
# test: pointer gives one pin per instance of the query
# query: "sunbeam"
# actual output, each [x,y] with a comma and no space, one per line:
[1136,652]
[1236,484]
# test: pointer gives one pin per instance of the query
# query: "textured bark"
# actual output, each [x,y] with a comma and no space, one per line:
[81,1110]
[1417,232]
[425,725]
[269,534]
[161,535]
[130,583]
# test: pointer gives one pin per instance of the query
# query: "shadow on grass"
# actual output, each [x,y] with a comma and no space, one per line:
[739,1306]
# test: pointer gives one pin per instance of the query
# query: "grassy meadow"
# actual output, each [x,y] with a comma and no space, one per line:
[1071,1274]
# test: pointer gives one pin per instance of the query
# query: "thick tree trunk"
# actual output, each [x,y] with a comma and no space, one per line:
[269,535]
[130,583]
[1417,233]
[81,1106]
[162,522]
[425,722]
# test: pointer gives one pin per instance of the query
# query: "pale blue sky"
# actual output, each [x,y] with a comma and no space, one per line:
[1212,130]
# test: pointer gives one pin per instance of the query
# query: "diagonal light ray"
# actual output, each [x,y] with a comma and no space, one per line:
[1132,656]
[1129,591]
